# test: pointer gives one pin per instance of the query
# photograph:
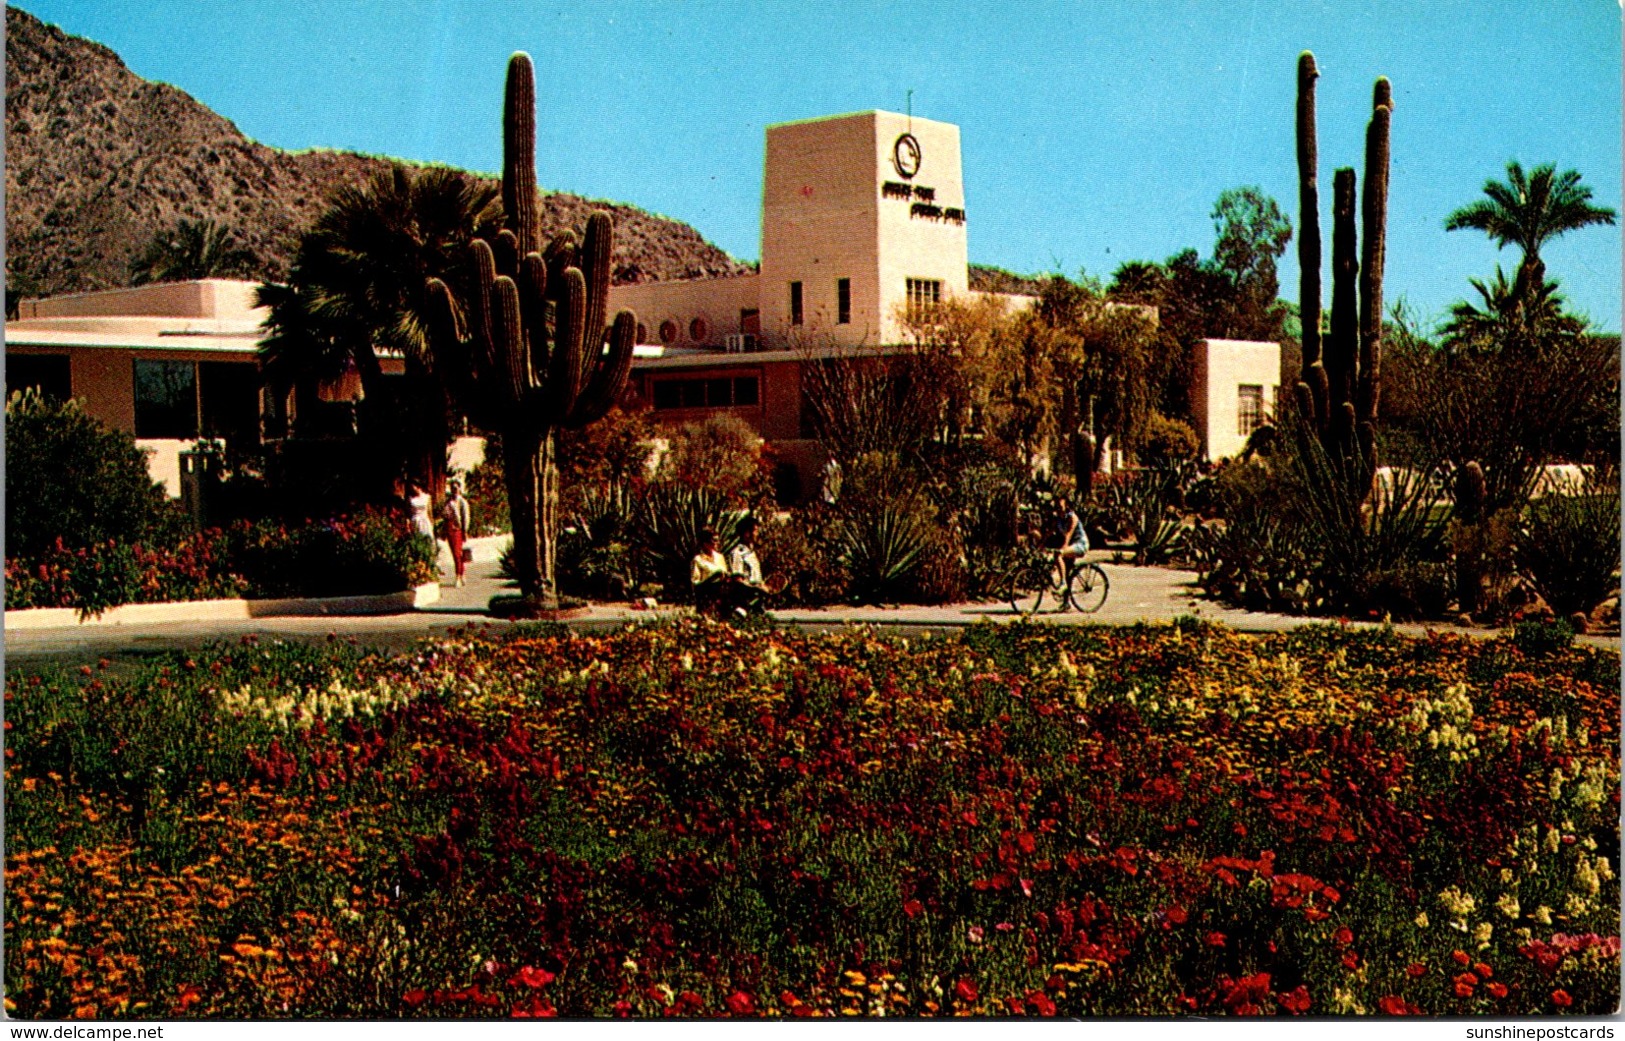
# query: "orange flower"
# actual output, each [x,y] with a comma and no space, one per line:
[1561,998]
[1415,969]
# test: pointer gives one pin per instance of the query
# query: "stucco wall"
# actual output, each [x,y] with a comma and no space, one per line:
[1222,367]
[205,298]
[716,300]
[820,196]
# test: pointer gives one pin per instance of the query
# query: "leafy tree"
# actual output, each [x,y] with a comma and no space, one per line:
[193,249]
[1234,294]
[1528,211]
[1251,234]
[70,477]
[357,290]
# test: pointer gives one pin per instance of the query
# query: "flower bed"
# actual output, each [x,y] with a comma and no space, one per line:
[692,820]
[371,551]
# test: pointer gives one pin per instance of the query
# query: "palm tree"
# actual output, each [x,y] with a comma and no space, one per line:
[1507,317]
[1528,211]
[356,294]
[192,249]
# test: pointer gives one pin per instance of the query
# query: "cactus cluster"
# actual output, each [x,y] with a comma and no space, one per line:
[1338,392]
[522,342]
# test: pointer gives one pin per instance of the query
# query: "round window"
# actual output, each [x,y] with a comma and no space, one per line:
[668,331]
[643,333]
[697,330]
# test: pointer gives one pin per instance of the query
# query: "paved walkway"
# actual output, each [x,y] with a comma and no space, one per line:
[1137,595]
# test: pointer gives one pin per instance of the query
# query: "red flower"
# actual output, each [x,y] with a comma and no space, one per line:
[966,990]
[529,977]
[1484,971]
[1497,990]
[1351,960]
[1041,1002]
[1561,998]
[1215,939]
[1178,915]
[741,1004]
[1461,957]
[1344,936]
[415,997]
[1416,968]
[912,908]
[536,1007]
[1295,1001]
[1465,984]
[1391,1005]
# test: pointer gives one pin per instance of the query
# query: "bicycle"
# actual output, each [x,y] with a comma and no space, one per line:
[1068,581]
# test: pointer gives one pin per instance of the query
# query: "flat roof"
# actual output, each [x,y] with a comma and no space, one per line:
[179,341]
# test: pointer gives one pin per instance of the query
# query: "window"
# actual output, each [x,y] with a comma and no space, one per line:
[166,399]
[698,330]
[49,374]
[643,333]
[707,392]
[668,331]
[923,295]
[843,301]
[795,303]
[1249,408]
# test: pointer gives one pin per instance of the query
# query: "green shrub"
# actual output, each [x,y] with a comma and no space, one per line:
[723,456]
[795,547]
[487,491]
[70,478]
[1570,547]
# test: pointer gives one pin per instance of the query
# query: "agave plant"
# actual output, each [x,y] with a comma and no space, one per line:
[595,552]
[882,549]
[672,518]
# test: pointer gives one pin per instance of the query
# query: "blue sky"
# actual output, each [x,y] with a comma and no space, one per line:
[1093,132]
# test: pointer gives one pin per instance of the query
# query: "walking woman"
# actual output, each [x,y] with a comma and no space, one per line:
[457,515]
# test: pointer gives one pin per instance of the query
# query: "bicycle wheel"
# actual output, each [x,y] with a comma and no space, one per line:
[1027,589]
[1089,588]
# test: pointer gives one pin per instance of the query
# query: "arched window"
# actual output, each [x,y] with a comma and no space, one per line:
[668,331]
[697,330]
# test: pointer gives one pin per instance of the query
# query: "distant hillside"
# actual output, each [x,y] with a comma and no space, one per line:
[99,160]
[985,279]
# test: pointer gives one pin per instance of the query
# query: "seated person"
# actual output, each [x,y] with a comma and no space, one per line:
[748,589]
[708,572]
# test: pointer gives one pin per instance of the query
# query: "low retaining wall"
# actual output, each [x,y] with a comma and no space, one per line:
[228,610]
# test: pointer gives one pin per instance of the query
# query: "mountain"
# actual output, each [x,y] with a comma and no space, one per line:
[99,161]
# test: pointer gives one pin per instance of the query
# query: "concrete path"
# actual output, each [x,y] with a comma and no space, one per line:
[1137,595]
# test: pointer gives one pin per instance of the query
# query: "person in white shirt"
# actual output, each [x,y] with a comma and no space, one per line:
[458,515]
[708,573]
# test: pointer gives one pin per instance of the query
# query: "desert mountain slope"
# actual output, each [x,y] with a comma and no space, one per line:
[99,160]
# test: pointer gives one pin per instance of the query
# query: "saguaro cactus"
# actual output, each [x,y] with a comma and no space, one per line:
[524,351]
[1339,389]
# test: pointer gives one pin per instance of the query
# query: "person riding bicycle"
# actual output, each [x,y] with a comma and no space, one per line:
[1074,540]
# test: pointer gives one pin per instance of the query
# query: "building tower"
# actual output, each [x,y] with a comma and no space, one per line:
[862,215]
